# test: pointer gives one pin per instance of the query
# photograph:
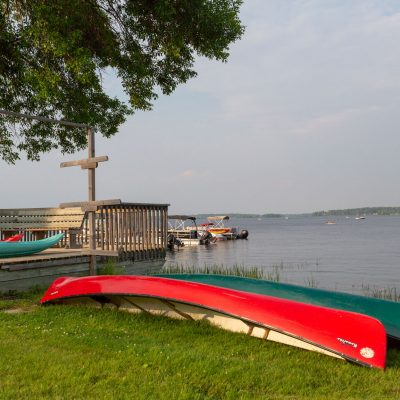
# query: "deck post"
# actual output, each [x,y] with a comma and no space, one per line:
[92,197]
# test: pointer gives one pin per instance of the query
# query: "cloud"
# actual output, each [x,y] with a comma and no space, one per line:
[305,58]
[329,122]
[188,174]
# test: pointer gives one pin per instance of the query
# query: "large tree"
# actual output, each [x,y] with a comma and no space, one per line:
[53,54]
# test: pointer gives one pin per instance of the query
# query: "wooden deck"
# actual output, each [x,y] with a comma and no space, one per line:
[44,258]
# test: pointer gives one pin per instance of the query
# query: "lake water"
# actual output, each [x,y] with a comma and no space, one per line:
[348,256]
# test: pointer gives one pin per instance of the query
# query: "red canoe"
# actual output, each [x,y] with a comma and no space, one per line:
[351,336]
[15,238]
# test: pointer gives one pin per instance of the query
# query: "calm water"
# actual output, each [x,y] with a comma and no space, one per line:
[304,250]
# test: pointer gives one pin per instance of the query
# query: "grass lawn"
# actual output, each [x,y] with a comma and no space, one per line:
[66,352]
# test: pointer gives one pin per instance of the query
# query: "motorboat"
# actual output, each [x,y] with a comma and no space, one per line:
[180,233]
[216,226]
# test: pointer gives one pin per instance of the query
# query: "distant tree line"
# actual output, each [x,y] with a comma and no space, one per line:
[236,215]
[344,212]
[360,211]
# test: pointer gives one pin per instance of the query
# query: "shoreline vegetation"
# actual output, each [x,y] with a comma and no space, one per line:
[324,213]
[275,273]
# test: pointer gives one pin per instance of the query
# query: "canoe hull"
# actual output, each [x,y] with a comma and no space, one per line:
[17,249]
[388,312]
[350,336]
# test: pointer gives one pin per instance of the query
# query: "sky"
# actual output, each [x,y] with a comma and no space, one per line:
[304,116]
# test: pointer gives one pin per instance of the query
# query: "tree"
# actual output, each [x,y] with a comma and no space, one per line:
[54,53]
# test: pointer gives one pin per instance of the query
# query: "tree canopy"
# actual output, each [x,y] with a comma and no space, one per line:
[54,53]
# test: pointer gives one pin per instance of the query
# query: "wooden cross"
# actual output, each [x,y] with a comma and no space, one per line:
[90,164]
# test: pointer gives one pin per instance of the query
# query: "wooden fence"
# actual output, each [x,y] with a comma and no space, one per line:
[136,231]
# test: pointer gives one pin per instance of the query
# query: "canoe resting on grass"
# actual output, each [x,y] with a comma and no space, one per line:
[388,312]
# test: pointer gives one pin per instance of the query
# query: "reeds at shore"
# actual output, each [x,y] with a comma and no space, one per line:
[273,273]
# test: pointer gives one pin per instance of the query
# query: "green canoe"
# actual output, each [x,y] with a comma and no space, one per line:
[18,249]
[388,312]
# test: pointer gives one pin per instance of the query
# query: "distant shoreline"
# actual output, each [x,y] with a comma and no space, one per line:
[324,213]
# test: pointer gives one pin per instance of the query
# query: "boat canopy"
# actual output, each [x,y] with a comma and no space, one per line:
[179,222]
[218,218]
[182,217]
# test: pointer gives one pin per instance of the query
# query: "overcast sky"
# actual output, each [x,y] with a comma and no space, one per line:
[303,117]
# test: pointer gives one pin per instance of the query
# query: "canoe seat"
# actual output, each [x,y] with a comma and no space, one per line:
[38,223]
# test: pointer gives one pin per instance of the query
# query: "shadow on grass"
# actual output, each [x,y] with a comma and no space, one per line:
[393,355]
[15,299]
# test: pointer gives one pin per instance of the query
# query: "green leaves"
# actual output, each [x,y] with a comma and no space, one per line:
[52,54]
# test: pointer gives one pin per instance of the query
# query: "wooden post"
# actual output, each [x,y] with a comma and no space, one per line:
[92,197]
[91,205]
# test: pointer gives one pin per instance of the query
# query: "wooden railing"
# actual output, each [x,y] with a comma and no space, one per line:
[136,231]
[38,223]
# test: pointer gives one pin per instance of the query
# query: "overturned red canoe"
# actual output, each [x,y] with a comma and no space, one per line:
[355,337]
[14,238]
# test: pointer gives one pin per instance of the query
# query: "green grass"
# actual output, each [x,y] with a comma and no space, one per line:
[66,352]
[14,300]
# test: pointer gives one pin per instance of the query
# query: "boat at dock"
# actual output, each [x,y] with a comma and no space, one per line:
[342,334]
[17,249]
[215,231]
[388,312]
[181,234]
[216,227]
